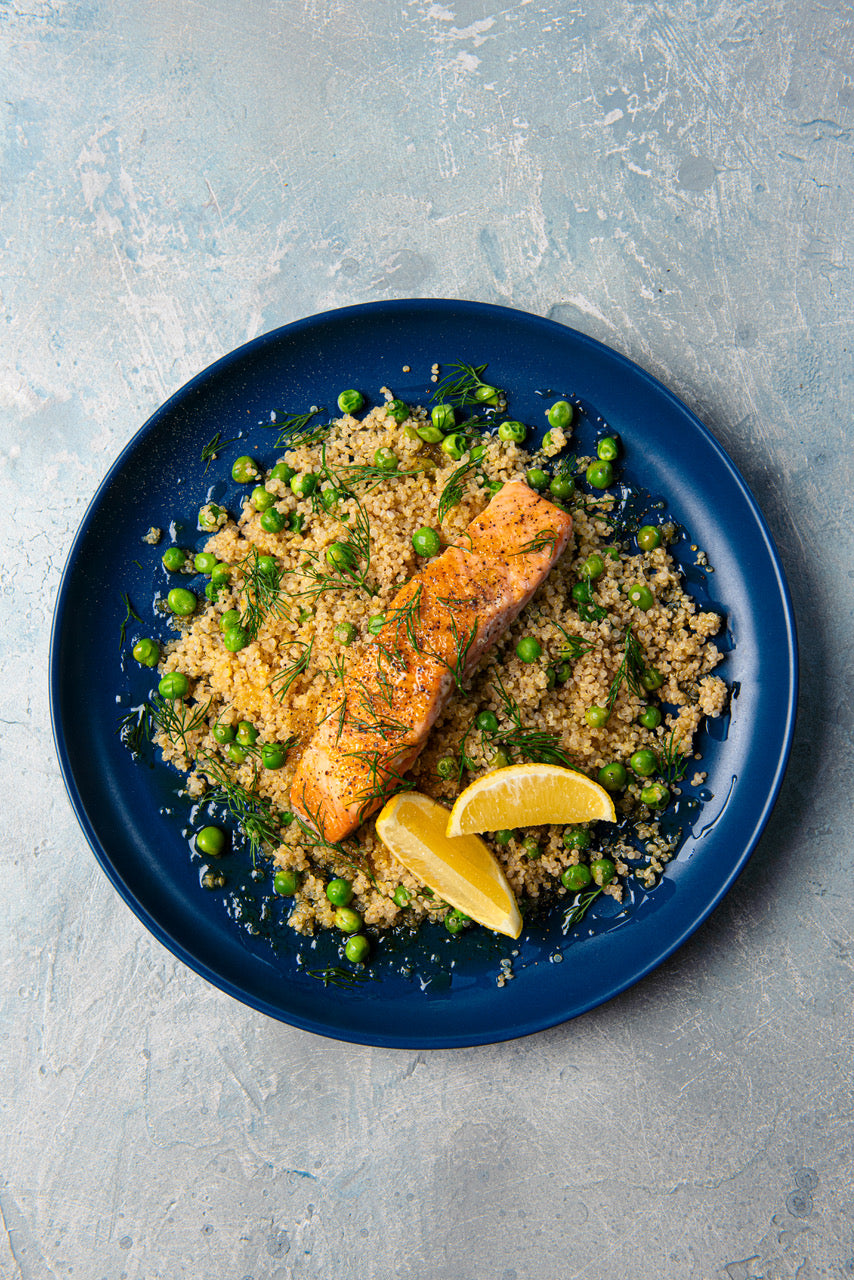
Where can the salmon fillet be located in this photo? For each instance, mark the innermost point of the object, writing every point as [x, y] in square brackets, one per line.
[438, 627]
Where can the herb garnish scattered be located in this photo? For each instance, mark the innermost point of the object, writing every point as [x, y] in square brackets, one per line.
[282, 680]
[294, 430]
[537, 745]
[262, 587]
[452, 494]
[673, 763]
[465, 386]
[256, 816]
[212, 449]
[337, 977]
[130, 612]
[579, 909]
[135, 728]
[630, 670]
[175, 719]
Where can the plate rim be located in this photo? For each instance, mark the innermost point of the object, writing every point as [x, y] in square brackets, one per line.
[185, 392]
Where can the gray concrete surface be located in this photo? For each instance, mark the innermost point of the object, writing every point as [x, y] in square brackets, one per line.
[673, 179]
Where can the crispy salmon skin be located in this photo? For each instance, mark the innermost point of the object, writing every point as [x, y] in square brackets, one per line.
[439, 626]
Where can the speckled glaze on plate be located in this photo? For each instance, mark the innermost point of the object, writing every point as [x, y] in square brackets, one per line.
[438, 991]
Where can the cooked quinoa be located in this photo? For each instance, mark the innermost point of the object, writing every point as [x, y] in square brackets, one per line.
[281, 681]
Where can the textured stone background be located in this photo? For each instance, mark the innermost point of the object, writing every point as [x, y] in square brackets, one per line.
[675, 179]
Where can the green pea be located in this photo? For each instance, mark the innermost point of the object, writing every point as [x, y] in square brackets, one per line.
[644, 762]
[600, 475]
[235, 639]
[261, 498]
[593, 567]
[576, 878]
[330, 497]
[146, 652]
[512, 432]
[577, 838]
[485, 394]
[430, 434]
[236, 753]
[652, 679]
[350, 401]
[211, 841]
[501, 759]
[181, 602]
[443, 418]
[296, 520]
[273, 520]
[209, 516]
[174, 685]
[551, 677]
[454, 445]
[385, 459]
[273, 755]
[503, 836]
[560, 414]
[376, 622]
[220, 574]
[304, 486]
[281, 471]
[648, 537]
[230, 619]
[603, 871]
[212, 592]
[537, 479]
[341, 557]
[347, 920]
[597, 717]
[456, 921]
[582, 593]
[285, 883]
[223, 733]
[357, 948]
[397, 410]
[650, 717]
[613, 777]
[446, 767]
[426, 542]
[345, 633]
[477, 452]
[562, 485]
[607, 448]
[494, 486]
[339, 892]
[247, 734]
[245, 470]
[641, 596]
[401, 896]
[529, 650]
[530, 848]
[268, 565]
[204, 562]
[563, 672]
[655, 795]
[174, 559]
[487, 721]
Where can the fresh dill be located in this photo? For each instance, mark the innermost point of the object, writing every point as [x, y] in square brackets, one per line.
[282, 680]
[579, 909]
[545, 540]
[262, 588]
[630, 670]
[135, 728]
[294, 430]
[311, 833]
[130, 612]
[352, 566]
[465, 386]
[452, 494]
[256, 816]
[175, 719]
[537, 745]
[334, 976]
[673, 762]
[574, 646]
[212, 449]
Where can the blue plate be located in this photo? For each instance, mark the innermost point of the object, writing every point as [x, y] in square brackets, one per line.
[436, 991]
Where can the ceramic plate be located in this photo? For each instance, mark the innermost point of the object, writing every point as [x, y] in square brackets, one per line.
[439, 991]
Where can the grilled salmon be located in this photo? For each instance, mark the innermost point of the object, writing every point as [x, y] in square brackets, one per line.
[438, 627]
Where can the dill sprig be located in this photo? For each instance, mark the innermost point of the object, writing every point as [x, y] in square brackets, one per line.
[465, 386]
[385, 780]
[537, 745]
[255, 815]
[334, 976]
[212, 449]
[311, 834]
[136, 727]
[673, 762]
[282, 680]
[262, 587]
[175, 719]
[574, 646]
[294, 430]
[452, 494]
[630, 670]
[130, 612]
[547, 538]
[579, 909]
[351, 574]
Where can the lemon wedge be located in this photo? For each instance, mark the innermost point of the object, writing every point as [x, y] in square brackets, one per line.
[529, 795]
[460, 869]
